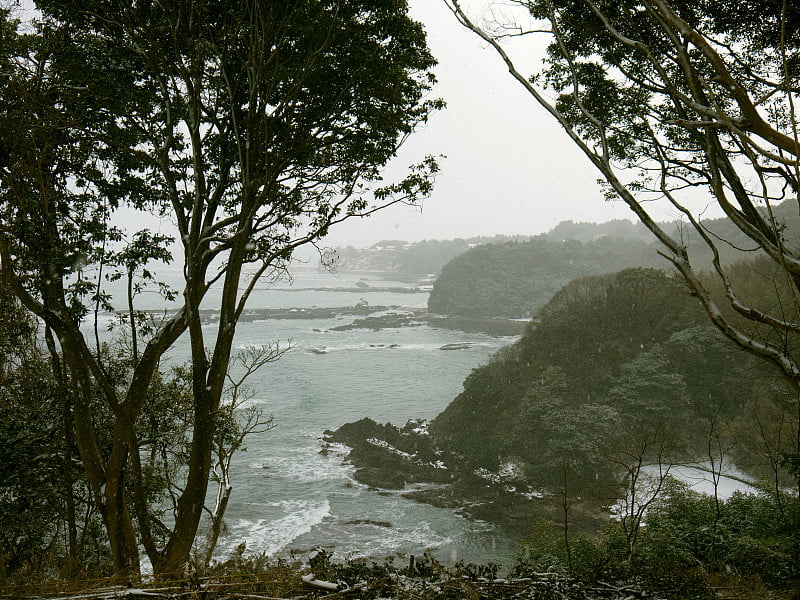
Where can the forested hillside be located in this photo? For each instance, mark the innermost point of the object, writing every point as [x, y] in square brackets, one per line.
[614, 359]
[516, 279]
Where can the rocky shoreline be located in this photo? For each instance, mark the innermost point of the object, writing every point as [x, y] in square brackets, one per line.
[407, 461]
[378, 317]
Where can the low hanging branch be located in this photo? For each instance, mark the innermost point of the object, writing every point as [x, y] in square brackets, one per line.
[663, 91]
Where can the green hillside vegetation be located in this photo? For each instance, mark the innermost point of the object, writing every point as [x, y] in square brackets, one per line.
[628, 352]
[517, 279]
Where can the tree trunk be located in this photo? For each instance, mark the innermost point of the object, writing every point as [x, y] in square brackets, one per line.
[107, 481]
[190, 504]
[117, 517]
[223, 497]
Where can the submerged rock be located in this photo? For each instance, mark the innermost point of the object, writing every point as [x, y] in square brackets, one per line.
[385, 524]
[456, 346]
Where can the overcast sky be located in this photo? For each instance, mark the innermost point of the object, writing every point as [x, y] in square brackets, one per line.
[509, 168]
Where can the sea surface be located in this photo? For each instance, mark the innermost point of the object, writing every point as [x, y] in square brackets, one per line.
[289, 497]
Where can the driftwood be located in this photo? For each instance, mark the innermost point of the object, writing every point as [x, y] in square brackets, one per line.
[318, 584]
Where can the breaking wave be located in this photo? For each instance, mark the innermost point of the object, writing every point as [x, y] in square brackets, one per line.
[307, 465]
[271, 535]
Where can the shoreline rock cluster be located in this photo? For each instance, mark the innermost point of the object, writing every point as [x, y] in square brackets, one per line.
[407, 460]
[378, 317]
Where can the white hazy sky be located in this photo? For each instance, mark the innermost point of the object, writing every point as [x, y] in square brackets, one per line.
[509, 168]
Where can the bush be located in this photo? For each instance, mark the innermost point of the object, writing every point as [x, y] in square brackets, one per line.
[547, 553]
[751, 535]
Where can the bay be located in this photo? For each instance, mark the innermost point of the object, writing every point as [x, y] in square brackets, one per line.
[289, 497]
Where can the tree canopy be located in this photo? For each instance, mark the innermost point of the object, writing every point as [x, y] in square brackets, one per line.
[251, 127]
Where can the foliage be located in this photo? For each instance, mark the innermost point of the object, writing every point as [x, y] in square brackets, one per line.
[253, 128]
[683, 107]
[516, 279]
[49, 525]
[544, 552]
[752, 536]
[425, 578]
[682, 548]
[30, 495]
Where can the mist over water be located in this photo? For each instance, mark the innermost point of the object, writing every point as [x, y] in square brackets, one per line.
[288, 496]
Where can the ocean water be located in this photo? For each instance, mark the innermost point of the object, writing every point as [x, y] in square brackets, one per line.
[288, 496]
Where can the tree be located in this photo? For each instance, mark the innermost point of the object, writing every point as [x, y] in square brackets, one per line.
[651, 439]
[562, 455]
[253, 127]
[31, 494]
[684, 105]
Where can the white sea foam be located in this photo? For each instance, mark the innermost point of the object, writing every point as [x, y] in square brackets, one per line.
[416, 540]
[250, 402]
[270, 536]
[307, 465]
[104, 321]
[699, 478]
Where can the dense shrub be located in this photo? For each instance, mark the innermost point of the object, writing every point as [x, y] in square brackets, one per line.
[751, 535]
[686, 546]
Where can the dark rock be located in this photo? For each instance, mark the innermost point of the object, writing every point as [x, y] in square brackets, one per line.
[456, 346]
[444, 497]
[390, 457]
[388, 321]
[369, 522]
[387, 479]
